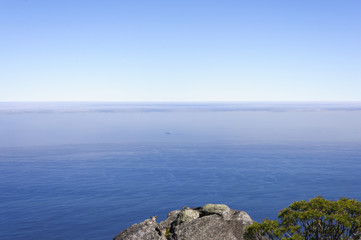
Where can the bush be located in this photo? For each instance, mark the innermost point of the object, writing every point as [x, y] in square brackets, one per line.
[317, 219]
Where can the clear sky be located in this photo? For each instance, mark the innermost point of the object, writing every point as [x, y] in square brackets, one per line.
[185, 50]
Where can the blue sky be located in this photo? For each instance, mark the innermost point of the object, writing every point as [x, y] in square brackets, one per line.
[187, 50]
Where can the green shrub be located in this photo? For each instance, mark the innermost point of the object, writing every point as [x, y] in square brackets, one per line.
[318, 219]
[167, 233]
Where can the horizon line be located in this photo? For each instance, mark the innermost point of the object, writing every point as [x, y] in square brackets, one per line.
[199, 101]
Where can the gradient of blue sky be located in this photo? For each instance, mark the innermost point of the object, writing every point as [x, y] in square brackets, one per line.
[186, 50]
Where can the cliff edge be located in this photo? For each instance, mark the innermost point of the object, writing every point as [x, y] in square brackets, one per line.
[212, 221]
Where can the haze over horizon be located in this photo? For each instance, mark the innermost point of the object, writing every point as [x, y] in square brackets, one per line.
[188, 51]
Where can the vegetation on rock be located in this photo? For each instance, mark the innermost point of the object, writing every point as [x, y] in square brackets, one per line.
[316, 219]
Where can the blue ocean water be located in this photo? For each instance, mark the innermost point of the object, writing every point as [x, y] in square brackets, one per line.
[87, 171]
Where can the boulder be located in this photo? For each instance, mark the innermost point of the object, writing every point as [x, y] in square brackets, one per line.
[172, 217]
[220, 209]
[215, 208]
[146, 230]
[187, 215]
[210, 227]
[212, 221]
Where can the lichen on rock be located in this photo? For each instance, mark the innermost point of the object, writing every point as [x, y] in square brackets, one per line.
[187, 215]
[215, 208]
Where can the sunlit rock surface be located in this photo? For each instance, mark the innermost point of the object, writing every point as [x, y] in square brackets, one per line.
[212, 221]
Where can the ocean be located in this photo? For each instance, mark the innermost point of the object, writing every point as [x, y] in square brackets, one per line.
[89, 170]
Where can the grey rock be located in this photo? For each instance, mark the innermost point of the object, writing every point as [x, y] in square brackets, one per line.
[212, 221]
[172, 217]
[241, 216]
[187, 215]
[210, 227]
[215, 208]
[166, 225]
[221, 209]
[146, 230]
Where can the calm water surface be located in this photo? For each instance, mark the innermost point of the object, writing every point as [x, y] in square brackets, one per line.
[89, 171]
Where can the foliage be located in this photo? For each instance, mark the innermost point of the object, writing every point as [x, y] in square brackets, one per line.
[167, 233]
[318, 219]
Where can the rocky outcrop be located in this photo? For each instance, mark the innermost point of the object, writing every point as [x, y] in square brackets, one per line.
[212, 221]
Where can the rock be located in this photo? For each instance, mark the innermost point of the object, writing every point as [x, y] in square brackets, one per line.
[220, 209]
[212, 221]
[146, 230]
[215, 208]
[210, 227]
[172, 217]
[165, 226]
[187, 215]
[241, 216]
